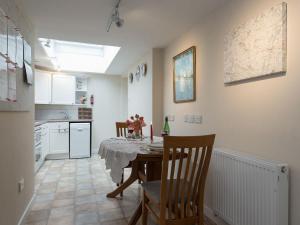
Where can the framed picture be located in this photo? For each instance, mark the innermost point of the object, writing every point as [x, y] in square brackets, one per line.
[184, 76]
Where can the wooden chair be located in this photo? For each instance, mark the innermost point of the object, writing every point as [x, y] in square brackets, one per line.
[122, 129]
[179, 197]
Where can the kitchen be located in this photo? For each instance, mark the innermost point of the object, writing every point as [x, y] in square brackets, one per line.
[69, 105]
[223, 83]
[63, 101]
[64, 132]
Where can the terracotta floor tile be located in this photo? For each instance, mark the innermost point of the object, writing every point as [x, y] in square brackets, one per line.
[86, 218]
[85, 208]
[62, 202]
[66, 220]
[62, 211]
[38, 216]
[73, 192]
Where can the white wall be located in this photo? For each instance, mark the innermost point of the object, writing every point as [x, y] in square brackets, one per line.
[140, 92]
[16, 143]
[108, 106]
[124, 98]
[145, 95]
[260, 117]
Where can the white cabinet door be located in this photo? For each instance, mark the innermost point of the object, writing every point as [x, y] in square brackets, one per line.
[59, 138]
[42, 87]
[45, 140]
[63, 89]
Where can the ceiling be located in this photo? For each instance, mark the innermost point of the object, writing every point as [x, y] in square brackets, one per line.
[148, 24]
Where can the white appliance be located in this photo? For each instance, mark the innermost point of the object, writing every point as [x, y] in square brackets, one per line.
[80, 140]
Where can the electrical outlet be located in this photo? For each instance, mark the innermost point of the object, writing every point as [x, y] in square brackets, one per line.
[198, 119]
[171, 118]
[190, 118]
[21, 185]
[186, 118]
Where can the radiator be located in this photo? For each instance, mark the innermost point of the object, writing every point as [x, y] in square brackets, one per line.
[249, 191]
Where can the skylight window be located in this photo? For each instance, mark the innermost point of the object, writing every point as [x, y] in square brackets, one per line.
[79, 57]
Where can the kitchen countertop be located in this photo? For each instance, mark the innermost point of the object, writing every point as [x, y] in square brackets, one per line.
[41, 122]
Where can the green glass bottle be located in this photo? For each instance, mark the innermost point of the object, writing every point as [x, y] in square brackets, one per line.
[166, 127]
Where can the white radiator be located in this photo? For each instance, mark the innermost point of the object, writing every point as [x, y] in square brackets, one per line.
[248, 191]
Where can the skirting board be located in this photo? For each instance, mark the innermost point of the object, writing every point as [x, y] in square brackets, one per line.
[210, 214]
[26, 211]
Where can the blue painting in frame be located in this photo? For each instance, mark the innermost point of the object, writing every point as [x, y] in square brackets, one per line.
[184, 76]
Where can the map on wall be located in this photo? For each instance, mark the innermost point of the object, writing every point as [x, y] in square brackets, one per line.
[11, 58]
[3, 80]
[258, 47]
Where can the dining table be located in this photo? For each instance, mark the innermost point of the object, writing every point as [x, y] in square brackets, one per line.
[146, 163]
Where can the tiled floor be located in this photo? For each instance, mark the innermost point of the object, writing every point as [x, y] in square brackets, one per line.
[73, 192]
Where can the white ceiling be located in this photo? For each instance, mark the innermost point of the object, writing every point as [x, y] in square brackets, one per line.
[148, 24]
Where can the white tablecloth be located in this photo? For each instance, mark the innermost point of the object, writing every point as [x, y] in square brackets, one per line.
[118, 152]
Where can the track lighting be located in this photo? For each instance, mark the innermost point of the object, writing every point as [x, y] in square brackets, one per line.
[115, 17]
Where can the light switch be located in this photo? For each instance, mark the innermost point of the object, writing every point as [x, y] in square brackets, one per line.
[198, 119]
[186, 118]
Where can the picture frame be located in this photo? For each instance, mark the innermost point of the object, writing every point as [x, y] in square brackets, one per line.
[184, 76]
[138, 73]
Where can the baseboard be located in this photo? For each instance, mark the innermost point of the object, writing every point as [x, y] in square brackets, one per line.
[57, 156]
[26, 211]
[210, 214]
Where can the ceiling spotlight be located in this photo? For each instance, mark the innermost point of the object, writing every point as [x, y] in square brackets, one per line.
[115, 17]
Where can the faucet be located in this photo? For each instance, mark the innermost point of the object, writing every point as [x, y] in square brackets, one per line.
[66, 115]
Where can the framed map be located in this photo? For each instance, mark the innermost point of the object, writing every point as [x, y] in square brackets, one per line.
[258, 47]
[184, 76]
[3, 34]
[15, 94]
[3, 80]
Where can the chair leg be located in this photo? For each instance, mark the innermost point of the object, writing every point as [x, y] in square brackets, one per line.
[201, 217]
[122, 181]
[145, 210]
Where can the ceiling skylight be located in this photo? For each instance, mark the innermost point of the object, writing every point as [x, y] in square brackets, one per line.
[79, 57]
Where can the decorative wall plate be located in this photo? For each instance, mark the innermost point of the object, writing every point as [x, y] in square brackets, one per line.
[144, 69]
[138, 73]
[130, 78]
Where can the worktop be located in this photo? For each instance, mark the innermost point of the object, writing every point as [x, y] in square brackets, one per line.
[41, 122]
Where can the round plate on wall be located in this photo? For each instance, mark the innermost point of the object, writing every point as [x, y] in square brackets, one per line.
[138, 73]
[130, 78]
[144, 69]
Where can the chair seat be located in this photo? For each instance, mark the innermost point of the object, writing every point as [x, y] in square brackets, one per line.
[152, 189]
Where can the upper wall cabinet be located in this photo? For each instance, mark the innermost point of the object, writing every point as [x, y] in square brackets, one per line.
[63, 89]
[42, 87]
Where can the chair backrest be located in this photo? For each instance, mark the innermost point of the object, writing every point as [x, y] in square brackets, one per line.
[122, 129]
[183, 178]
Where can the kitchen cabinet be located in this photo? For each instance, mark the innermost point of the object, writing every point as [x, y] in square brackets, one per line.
[42, 87]
[45, 140]
[63, 89]
[59, 138]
